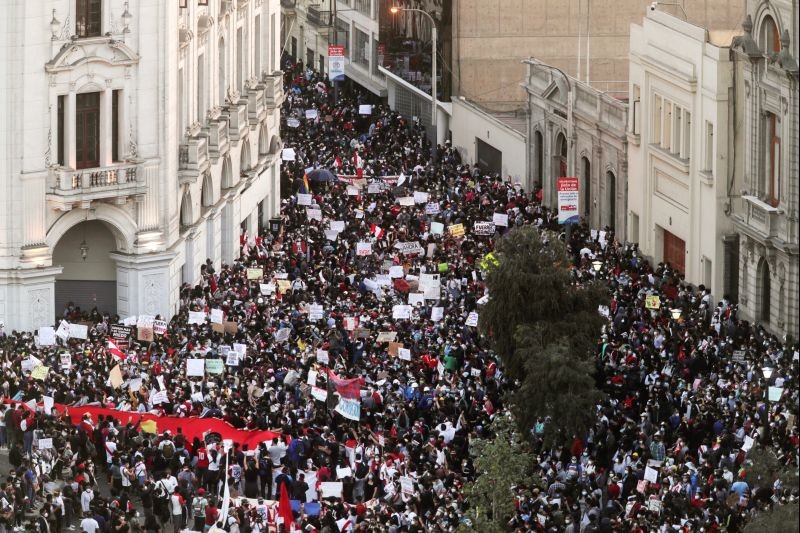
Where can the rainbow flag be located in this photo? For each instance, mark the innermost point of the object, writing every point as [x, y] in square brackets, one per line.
[305, 187]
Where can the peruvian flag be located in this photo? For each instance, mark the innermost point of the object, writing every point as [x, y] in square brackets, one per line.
[114, 350]
[375, 230]
[359, 164]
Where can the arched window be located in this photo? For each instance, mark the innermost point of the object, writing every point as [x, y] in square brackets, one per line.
[611, 180]
[763, 292]
[186, 210]
[244, 157]
[263, 141]
[539, 147]
[770, 38]
[227, 175]
[207, 198]
[586, 186]
[202, 105]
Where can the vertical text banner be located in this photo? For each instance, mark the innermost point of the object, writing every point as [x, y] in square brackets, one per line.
[336, 62]
[568, 201]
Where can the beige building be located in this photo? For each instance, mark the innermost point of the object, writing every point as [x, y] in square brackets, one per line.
[490, 38]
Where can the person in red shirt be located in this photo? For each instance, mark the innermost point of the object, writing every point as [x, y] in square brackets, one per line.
[202, 462]
[212, 513]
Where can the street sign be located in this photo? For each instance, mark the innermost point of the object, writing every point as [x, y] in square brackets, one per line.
[336, 61]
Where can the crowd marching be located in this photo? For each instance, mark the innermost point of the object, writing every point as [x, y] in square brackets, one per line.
[332, 378]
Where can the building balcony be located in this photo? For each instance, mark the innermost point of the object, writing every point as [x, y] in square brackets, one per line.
[193, 156]
[216, 131]
[256, 104]
[68, 188]
[236, 116]
[317, 17]
[273, 90]
[761, 219]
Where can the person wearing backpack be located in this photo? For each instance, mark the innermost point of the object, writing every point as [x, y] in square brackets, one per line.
[199, 503]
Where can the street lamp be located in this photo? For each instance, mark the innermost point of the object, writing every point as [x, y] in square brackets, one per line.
[676, 313]
[597, 265]
[395, 10]
[767, 371]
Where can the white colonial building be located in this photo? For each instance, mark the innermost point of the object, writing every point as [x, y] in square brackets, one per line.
[138, 139]
[679, 165]
[765, 200]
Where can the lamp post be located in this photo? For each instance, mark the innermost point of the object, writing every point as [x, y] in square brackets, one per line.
[676, 313]
[767, 371]
[597, 265]
[395, 10]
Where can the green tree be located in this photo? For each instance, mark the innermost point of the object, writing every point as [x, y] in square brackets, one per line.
[558, 384]
[532, 284]
[500, 463]
[780, 519]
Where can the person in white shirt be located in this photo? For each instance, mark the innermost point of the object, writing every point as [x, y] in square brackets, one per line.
[277, 451]
[111, 448]
[89, 524]
[169, 481]
[86, 499]
[127, 473]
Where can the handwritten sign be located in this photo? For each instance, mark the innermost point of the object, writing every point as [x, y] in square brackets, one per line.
[303, 199]
[255, 273]
[500, 219]
[45, 444]
[363, 248]
[401, 312]
[195, 367]
[159, 327]
[315, 312]
[652, 302]
[456, 230]
[348, 408]
[47, 336]
[40, 372]
[78, 331]
[215, 366]
[420, 197]
[472, 319]
[483, 228]
[432, 208]
[197, 317]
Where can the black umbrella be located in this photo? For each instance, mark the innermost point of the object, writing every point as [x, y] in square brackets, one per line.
[321, 174]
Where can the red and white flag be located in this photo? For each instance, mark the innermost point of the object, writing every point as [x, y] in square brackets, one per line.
[375, 230]
[114, 350]
[337, 162]
[359, 164]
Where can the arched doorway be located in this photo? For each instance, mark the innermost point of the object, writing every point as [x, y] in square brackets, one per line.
[763, 292]
[227, 175]
[611, 180]
[586, 186]
[207, 193]
[559, 164]
[89, 276]
[538, 143]
[244, 158]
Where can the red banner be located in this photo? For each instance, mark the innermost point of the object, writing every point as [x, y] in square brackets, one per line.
[347, 388]
[190, 426]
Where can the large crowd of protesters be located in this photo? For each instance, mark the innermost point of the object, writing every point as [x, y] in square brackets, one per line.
[686, 397]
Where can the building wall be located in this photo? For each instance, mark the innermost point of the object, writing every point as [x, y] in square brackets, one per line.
[491, 37]
[469, 123]
[182, 128]
[597, 137]
[678, 154]
[766, 216]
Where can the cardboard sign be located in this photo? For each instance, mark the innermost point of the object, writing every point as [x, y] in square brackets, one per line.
[394, 348]
[195, 367]
[652, 302]
[500, 219]
[472, 319]
[651, 474]
[78, 331]
[483, 228]
[363, 248]
[231, 327]
[215, 366]
[312, 378]
[255, 273]
[144, 334]
[159, 327]
[303, 199]
[456, 230]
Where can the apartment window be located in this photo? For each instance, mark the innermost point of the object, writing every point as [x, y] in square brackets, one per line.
[309, 57]
[361, 48]
[240, 59]
[633, 233]
[271, 38]
[677, 115]
[321, 67]
[637, 120]
[770, 37]
[201, 87]
[115, 96]
[87, 130]
[666, 138]
[87, 18]
[258, 44]
[61, 140]
[772, 148]
[709, 147]
[222, 75]
[658, 103]
[686, 138]
[343, 35]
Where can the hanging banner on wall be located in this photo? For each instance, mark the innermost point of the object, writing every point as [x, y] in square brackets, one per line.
[568, 201]
[336, 61]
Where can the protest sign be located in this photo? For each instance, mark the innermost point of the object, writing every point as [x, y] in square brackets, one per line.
[315, 312]
[738, 356]
[409, 248]
[420, 197]
[314, 214]
[364, 109]
[472, 319]
[231, 327]
[63, 330]
[348, 408]
[47, 336]
[292, 122]
[319, 394]
[255, 273]
[120, 332]
[406, 201]
[483, 228]
[40, 372]
[406, 485]
[437, 228]
[282, 335]
[330, 489]
[47, 404]
[364, 248]
[500, 219]
[350, 323]
[437, 314]
[774, 393]
[387, 336]
[322, 357]
[432, 208]
[331, 235]
[401, 312]
[159, 327]
[195, 367]
[115, 377]
[303, 199]
[65, 360]
[311, 114]
[287, 154]
[45, 444]
[336, 225]
[394, 348]
[312, 378]
[217, 316]
[197, 317]
[456, 230]
[415, 298]
[78, 331]
[652, 302]
[404, 354]
[651, 474]
[215, 366]
[396, 271]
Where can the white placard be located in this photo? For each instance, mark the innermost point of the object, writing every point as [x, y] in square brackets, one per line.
[47, 336]
[396, 271]
[197, 317]
[406, 485]
[292, 122]
[240, 349]
[303, 199]
[651, 474]
[437, 313]
[312, 378]
[331, 235]
[404, 354]
[48, 402]
[406, 201]
[472, 319]
[437, 228]
[66, 360]
[352, 191]
[130, 321]
[432, 208]
[311, 114]
[159, 397]
[500, 219]
[322, 357]
[319, 394]
[78, 331]
[330, 489]
[420, 197]
[45, 444]
[282, 335]
[748, 443]
[135, 384]
[343, 472]
[217, 316]
[232, 359]
[337, 225]
[364, 109]
[401, 312]
[195, 367]
[63, 330]
[364, 248]
[287, 154]
[415, 298]
[315, 312]
[314, 214]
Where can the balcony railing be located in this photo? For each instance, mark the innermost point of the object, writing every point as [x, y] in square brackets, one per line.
[273, 90]
[193, 154]
[217, 137]
[762, 217]
[317, 17]
[237, 121]
[256, 104]
[118, 181]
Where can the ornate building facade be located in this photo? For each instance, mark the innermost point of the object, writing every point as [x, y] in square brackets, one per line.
[138, 140]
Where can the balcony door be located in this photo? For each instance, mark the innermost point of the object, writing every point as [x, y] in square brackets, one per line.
[87, 130]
